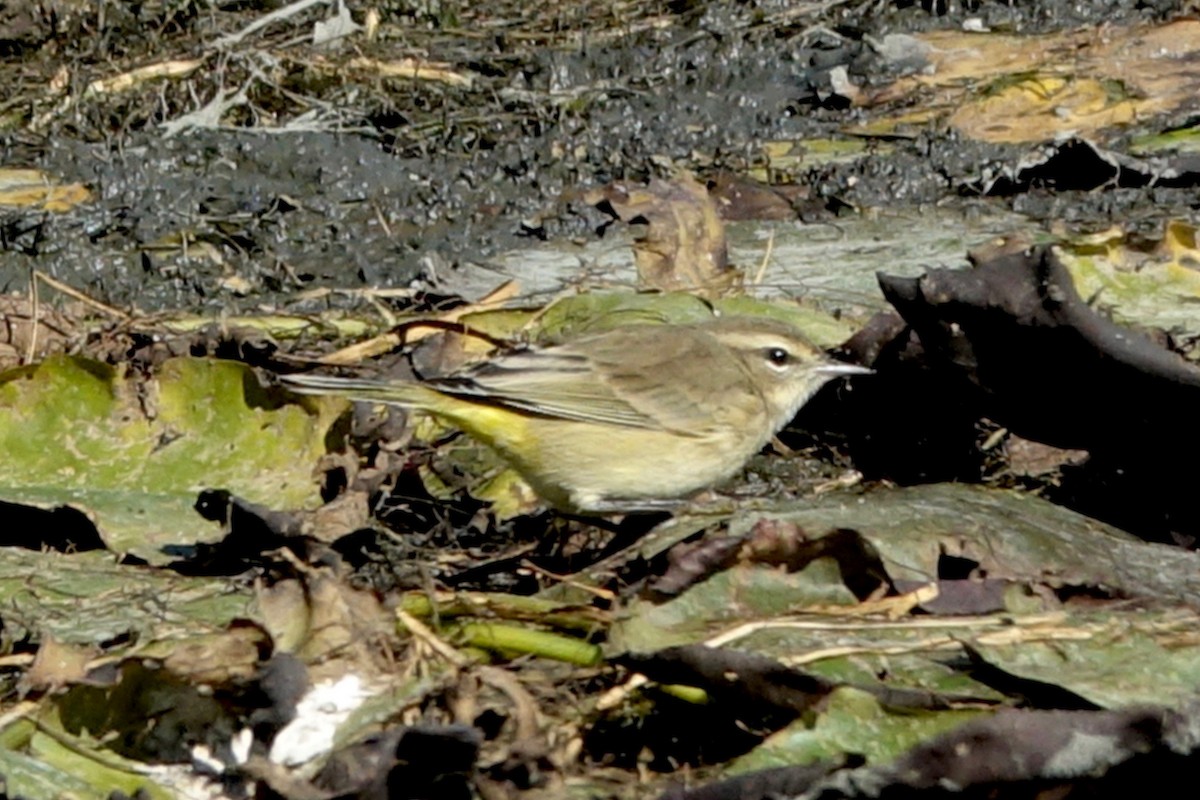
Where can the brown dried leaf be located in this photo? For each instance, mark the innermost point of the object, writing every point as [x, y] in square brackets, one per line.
[684, 247]
[344, 514]
[53, 331]
[741, 198]
[325, 622]
[285, 612]
[56, 665]
[219, 658]
[1033, 459]
[31, 187]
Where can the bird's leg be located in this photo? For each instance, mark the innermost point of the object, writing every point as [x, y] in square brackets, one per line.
[630, 506]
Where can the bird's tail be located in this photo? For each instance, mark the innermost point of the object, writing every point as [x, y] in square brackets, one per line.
[404, 393]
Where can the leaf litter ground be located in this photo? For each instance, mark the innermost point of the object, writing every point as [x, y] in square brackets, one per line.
[824, 624]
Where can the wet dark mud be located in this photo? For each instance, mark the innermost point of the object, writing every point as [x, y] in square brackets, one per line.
[328, 177]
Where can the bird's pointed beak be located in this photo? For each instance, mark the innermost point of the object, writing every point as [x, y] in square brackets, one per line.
[835, 368]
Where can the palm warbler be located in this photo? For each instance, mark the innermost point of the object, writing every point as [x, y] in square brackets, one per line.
[627, 418]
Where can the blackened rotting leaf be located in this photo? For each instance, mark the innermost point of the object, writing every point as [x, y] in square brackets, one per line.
[1013, 341]
[693, 562]
[281, 683]
[1017, 746]
[252, 530]
[914, 421]
[1049, 366]
[432, 763]
[760, 785]
[782, 543]
[883, 330]
[424, 762]
[1028, 754]
[62, 528]
[748, 679]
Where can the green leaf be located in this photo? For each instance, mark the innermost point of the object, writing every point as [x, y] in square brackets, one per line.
[134, 454]
[852, 722]
[87, 598]
[1111, 658]
[735, 596]
[50, 764]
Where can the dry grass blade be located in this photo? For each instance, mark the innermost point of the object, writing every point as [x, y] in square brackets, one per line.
[387, 342]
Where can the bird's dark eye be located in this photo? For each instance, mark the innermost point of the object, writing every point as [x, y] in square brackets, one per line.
[778, 356]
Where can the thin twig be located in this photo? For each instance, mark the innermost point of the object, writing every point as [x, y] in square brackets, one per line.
[766, 259]
[81, 297]
[27, 709]
[421, 631]
[413, 331]
[34, 306]
[264, 21]
[603, 594]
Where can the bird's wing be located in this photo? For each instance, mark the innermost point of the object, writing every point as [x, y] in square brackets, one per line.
[555, 382]
[632, 377]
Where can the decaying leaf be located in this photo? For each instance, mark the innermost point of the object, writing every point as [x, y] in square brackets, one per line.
[57, 664]
[219, 658]
[1022, 88]
[1152, 283]
[48, 330]
[135, 454]
[1020, 551]
[31, 187]
[684, 247]
[327, 623]
[739, 198]
[1049, 367]
[344, 514]
[1049, 752]
[1033, 459]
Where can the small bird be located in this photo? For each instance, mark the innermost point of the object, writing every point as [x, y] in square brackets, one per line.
[628, 418]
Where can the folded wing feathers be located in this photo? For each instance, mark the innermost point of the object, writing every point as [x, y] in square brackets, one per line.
[553, 383]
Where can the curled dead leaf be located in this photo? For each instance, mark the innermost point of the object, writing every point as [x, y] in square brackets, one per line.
[684, 247]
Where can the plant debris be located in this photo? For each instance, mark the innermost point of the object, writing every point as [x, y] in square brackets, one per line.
[972, 573]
